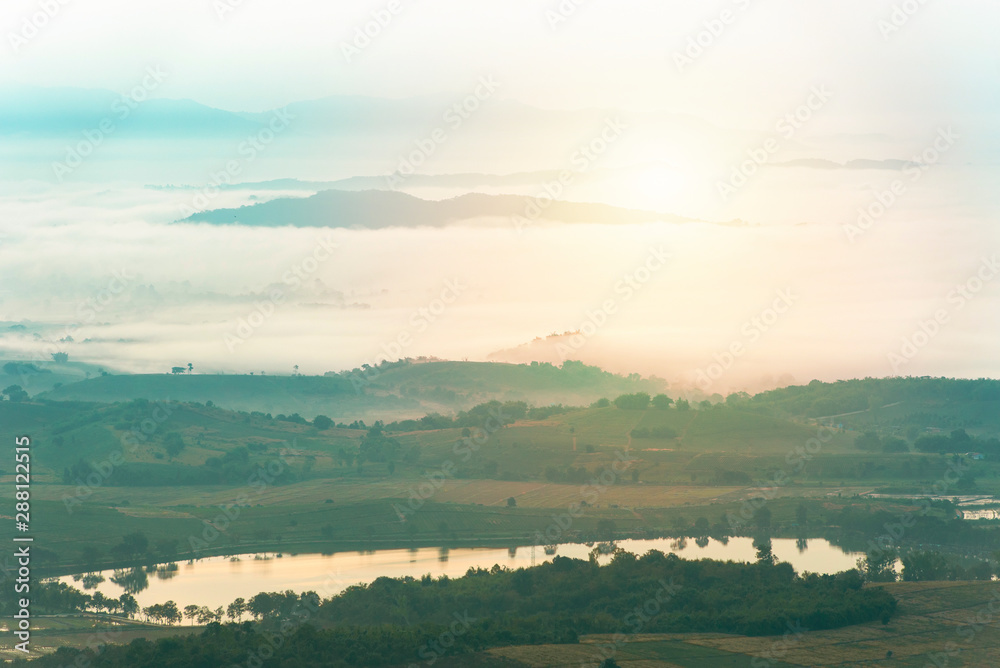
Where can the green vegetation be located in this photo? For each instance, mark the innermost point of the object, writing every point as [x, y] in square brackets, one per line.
[136, 483]
[391, 390]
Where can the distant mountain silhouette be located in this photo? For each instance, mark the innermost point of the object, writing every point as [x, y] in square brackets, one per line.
[374, 209]
[860, 163]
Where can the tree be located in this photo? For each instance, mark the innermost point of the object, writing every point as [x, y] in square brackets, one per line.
[765, 554]
[89, 556]
[683, 405]
[376, 446]
[170, 613]
[662, 402]
[638, 401]
[236, 609]
[511, 502]
[205, 615]
[173, 443]
[191, 611]
[737, 398]
[868, 441]
[924, 566]
[190, 367]
[878, 565]
[132, 545]
[128, 604]
[15, 393]
[60, 358]
[322, 422]
[176, 370]
[167, 548]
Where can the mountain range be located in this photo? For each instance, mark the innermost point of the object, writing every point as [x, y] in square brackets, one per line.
[375, 209]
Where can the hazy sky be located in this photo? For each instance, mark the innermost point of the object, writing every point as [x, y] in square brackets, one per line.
[253, 55]
[883, 84]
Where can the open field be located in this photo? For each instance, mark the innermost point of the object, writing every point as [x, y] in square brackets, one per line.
[471, 492]
[86, 630]
[941, 624]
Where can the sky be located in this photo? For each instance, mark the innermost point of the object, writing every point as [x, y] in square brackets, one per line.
[252, 55]
[715, 83]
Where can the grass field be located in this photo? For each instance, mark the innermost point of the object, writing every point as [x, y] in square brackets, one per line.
[939, 624]
[82, 631]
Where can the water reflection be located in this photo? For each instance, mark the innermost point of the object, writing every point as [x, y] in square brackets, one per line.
[132, 581]
[166, 572]
[219, 581]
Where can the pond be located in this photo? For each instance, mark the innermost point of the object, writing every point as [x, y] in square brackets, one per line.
[217, 581]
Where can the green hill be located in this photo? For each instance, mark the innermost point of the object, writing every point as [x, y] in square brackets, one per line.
[902, 406]
[391, 391]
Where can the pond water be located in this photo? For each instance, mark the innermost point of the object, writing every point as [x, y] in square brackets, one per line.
[217, 581]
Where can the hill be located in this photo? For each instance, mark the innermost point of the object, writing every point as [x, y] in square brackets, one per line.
[899, 406]
[375, 209]
[390, 391]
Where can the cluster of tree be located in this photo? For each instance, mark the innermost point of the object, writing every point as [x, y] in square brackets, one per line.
[640, 401]
[60, 598]
[957, 442]
[14, 393]
[376, 446]
[162, 613]
[633, 402]
[934, 524]
[294, 418]
[880, 565]
[705, 596]
[480, 416]
[818, 399]
[23, 369]
[303, 645]
[727, 477]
